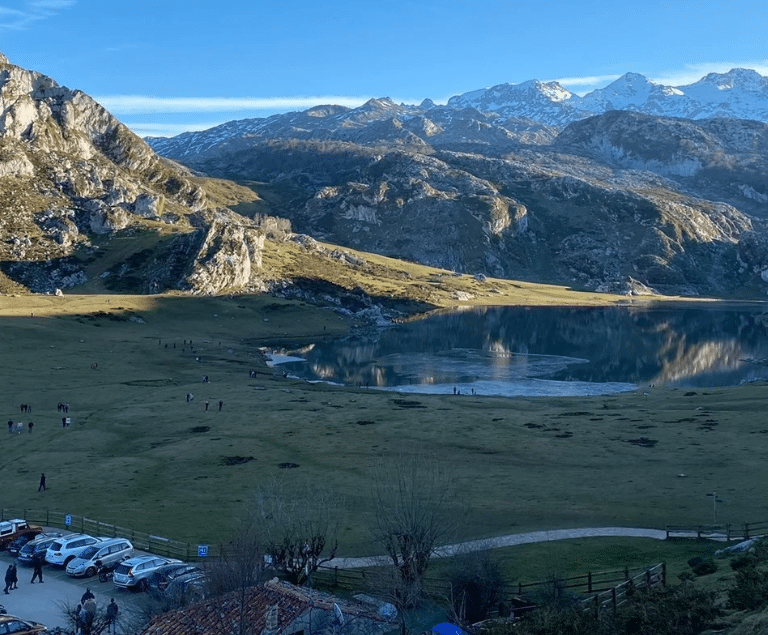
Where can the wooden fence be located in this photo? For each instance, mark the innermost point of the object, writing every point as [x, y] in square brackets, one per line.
[597, 590]
[616, 595]
[726, 532]
[141, 540]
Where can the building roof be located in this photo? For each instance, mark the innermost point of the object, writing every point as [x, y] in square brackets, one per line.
[221, 615]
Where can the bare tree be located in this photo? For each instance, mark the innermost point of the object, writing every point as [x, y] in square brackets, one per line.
[415, 512]
[476, 585]
[300, 527]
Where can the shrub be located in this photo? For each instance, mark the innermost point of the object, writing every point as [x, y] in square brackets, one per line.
[705, 567]
[743, 560]
[750, 590]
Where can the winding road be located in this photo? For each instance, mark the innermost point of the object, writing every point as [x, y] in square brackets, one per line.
[522, 539]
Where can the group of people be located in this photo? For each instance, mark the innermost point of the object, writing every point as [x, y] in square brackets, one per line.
[85, 614]
[18, 426]
[11, 579]
[12, 575]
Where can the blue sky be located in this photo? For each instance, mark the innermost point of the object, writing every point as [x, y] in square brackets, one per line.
[169, 66]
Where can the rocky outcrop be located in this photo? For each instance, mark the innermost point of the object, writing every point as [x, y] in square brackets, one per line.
[229, 259]
[70, 171]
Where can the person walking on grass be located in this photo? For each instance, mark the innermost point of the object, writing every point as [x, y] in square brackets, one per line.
[41, 487]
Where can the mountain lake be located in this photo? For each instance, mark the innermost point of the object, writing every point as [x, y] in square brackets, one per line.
[542, 351]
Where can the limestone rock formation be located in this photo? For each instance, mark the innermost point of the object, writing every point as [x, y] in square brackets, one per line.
[71, 172]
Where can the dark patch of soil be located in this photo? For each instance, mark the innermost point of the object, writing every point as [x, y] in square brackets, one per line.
[287, 465]
[236, 460]
[199, 429]
[690, 393]
[575, 414]
[406, 403]
[533, 425]
[365, 422]
[149, 383]
[564, 435]
[643, 442]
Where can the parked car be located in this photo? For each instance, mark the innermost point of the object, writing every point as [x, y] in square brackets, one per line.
[16, 545]
[101, 554]
[161, 577]
[12, 529]
[134, 572]
[64, 549]
[187, 588]
[37, 547]
[17, 626]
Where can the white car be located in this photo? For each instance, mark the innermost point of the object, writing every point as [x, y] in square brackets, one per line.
[68, 547]
[134, 572]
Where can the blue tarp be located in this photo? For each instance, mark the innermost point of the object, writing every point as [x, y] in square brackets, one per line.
[444, 628]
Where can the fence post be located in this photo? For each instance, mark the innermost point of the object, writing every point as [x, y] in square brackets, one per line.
[746, 531]
[728, 532]
[664, 574]
[48, 517]
[648, 578]
[698, 532]
[626, 573]
[589, 582]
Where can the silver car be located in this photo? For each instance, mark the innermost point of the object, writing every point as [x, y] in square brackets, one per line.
[134, 572]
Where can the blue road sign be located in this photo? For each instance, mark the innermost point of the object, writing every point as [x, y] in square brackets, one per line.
[202, 551]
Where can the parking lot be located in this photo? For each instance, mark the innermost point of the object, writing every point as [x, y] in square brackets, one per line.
[47, 602]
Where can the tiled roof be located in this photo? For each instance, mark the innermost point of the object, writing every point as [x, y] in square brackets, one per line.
[221, 615]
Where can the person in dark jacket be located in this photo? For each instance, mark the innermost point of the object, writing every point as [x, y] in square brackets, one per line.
[37, 563]
[111, 615]
[14, 577]
[8, 579]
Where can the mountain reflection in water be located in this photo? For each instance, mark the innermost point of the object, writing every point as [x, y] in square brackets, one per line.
[548, 351]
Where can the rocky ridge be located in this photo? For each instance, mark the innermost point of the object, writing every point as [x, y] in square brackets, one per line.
[621, 202]
[72, 177]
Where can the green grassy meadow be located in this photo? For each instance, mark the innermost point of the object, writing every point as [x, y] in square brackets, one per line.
[139, 455]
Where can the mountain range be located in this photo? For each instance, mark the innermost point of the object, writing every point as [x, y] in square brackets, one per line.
[526, 181]
[520, 182]
[530, 112]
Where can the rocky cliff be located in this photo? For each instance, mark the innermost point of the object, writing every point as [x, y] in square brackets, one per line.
[72, 176]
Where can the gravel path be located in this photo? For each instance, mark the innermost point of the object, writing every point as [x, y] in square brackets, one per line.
[510, 540]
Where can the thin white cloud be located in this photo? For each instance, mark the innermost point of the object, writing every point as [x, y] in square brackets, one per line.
[145, 104]
[588, 80]
[169, 129]
[31, 12]
[691, 73]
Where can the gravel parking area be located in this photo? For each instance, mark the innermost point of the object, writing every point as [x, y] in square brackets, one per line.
[46, 602]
